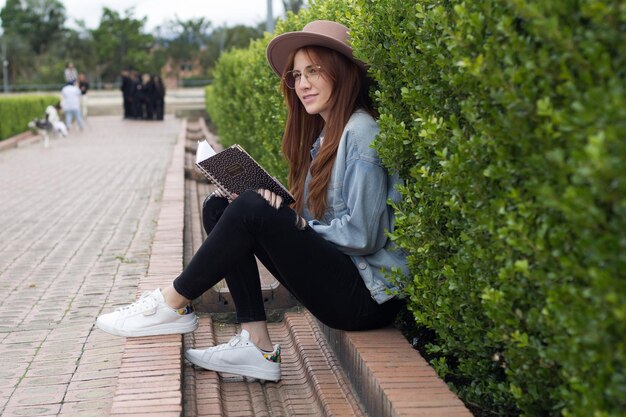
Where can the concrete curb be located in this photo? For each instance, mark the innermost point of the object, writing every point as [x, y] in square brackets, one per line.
[14, 141]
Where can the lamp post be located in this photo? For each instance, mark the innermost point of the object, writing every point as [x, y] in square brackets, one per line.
[269, 23]
[5, 65]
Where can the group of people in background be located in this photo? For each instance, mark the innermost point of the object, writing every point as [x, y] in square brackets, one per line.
[144, 95]
[143, 99]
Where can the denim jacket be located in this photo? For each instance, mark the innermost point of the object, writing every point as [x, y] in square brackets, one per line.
[357, 215]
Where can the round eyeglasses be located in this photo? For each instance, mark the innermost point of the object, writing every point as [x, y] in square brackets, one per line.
[293, 77]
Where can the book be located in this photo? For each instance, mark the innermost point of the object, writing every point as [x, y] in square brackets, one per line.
[234, 171]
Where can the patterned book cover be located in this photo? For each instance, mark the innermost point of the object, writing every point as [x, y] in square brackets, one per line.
[235, 171]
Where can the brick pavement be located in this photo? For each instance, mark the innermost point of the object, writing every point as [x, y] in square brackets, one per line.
[76, 226]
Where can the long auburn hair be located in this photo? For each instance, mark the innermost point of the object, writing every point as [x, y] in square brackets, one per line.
[350, 91]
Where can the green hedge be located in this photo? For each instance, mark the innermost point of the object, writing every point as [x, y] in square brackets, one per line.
[507, 120]
[244, 97]
[17, 111]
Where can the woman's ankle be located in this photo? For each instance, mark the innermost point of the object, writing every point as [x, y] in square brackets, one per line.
[173, 298]
[259, 335]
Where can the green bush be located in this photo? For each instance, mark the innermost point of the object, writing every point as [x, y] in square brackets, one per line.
[17, 111]
[507, 120]
[244, 104]
[208, 97]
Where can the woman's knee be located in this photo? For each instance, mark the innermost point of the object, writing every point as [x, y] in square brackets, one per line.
[251, 211]
[214, 207]
[212, 210]
[249, 201]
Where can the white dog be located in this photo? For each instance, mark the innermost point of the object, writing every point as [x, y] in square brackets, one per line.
[50, 126]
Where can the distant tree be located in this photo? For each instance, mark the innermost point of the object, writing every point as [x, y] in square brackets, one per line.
[39, 22]
[239, 36]
[20, 57]
[78, 47]
[39, 45]
[158, 59]
[192, 42]
[225, 38]
[188, 40]
[293, 5]
[120, 41]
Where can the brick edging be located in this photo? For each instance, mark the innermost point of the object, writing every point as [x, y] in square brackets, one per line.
[150, 377]
[390, 377]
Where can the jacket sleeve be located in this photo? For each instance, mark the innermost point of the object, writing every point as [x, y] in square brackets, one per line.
[362, 229]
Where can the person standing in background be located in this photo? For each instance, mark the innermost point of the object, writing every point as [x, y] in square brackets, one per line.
[83, 86]
[147, 86]
[71, 105]
[158, 97]
[126, 87]
[135, 95]
[70, 73]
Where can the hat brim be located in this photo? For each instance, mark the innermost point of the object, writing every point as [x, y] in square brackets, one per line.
[279, 48]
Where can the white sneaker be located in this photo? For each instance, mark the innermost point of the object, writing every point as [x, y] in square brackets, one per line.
[148, 316]
[239, 356]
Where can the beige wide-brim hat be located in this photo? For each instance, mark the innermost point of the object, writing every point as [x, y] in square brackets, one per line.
[324, 33]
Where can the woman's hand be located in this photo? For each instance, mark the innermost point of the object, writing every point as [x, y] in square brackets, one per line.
[272, 198]
[276, 201]
[220, 193]
[300, 222]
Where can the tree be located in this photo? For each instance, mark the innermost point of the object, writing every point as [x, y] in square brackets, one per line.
[293, 5]
[191, 43]
[225, 38]
[40, 22]
[39, 45]
[20, 57]
[77, 46]
[188, 40]
[120, 42]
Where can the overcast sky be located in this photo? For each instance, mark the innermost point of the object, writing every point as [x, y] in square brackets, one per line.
[219, 12]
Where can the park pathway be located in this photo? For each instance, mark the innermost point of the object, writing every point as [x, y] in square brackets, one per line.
[77, 221]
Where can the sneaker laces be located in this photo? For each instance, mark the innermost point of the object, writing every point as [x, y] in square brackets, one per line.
[234, 341]
[145, 303]
[272, 356]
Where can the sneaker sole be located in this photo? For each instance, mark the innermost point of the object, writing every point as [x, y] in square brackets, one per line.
[251, 372]
[153, 331]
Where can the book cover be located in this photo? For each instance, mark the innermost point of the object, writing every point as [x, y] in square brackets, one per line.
[235, 171]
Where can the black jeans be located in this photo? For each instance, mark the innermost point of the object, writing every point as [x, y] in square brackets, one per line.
[322, 278]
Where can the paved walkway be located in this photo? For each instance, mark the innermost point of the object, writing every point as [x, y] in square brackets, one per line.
[76, 227]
